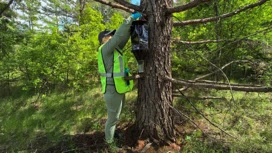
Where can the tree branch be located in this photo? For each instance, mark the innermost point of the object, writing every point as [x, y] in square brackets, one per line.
[197, 42]
[6, 7]
[134, 77]
[186, 6]
[211, 19]
[200, 98]
[129, 5]
[222, 86]
[115, 5]
[212, 123]
[177, 40]
[236, 61]
[220, 69]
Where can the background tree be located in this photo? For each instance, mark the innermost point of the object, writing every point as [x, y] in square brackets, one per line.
[9, 37]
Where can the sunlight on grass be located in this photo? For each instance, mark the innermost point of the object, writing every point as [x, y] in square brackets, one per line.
[247, 117]
[51, 116]
[42, 121]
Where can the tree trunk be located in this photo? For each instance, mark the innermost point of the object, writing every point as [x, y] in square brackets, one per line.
[153, 106]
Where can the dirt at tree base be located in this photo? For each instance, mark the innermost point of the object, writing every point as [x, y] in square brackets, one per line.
[93, 142]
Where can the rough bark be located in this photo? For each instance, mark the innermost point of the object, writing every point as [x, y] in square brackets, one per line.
[153, 115]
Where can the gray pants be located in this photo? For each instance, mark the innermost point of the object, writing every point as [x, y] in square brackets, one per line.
[114, 102]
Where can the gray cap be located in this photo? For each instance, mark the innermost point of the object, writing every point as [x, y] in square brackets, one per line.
[105, 33]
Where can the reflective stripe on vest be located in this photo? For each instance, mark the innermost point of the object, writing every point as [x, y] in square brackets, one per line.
[110, 75]
[121, 67]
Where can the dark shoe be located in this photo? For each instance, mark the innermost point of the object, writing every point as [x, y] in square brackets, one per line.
[113, 148]
[118, 135]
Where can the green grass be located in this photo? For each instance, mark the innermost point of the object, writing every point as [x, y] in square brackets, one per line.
[30, 124]
[248, 117]
[26, 121]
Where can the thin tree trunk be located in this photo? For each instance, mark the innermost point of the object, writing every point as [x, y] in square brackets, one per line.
[5, 7]
[153, 113]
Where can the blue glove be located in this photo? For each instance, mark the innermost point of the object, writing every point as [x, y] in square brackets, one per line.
[126, 74]
[136, 15]
[127, 70]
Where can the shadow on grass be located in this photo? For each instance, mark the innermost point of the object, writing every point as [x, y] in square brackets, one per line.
[80, 143]
[87, 143]
[34, 124]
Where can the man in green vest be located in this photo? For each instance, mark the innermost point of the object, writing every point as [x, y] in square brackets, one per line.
[112, 68]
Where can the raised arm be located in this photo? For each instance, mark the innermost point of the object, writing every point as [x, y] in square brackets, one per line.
[121, 36]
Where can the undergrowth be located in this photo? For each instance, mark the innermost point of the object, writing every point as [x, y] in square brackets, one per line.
[236, 122]
[47, 119]
[40, 122]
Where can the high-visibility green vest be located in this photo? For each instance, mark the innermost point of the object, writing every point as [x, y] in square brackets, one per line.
[118, 74]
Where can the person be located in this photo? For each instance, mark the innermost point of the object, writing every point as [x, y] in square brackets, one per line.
[112, 68]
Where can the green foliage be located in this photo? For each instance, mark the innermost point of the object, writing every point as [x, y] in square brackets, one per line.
[42, 59]
[8, 37]
[86, 40]
[242, 39]
[58, 57]
[115, 21]
[64, 58]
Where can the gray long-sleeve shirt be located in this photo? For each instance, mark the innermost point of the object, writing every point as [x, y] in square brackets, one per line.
[119, 40]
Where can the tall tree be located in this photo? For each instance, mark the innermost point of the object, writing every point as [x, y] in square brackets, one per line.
[57, 13]
[4, 7]
[154, 103]
[9, 37]
[28, 12]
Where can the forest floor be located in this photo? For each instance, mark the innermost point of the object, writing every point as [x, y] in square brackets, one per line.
[70, 123]
[93, 142]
